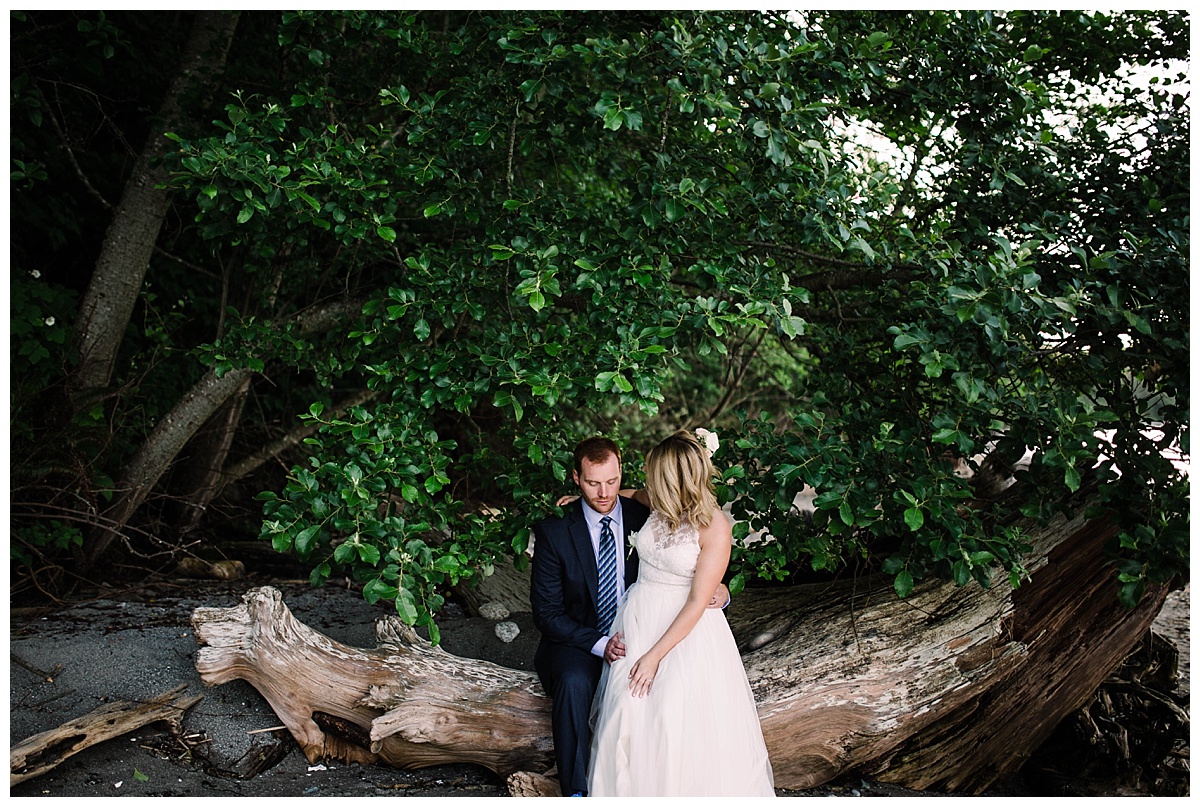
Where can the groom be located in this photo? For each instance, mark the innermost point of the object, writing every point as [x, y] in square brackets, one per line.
[581, 568]
[564, 594]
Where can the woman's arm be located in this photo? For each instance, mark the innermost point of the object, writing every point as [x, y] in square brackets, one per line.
[715, 542]
[637, 494]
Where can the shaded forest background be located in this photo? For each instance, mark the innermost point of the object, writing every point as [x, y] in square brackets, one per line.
[357, 282]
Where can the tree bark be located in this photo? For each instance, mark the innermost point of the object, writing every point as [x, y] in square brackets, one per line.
[125, 255]
[209, 458]
[951, 688]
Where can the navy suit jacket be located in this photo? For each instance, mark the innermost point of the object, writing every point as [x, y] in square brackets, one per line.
[562, 589]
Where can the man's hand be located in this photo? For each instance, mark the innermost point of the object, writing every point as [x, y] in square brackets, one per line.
[615, 649]
[720, 597]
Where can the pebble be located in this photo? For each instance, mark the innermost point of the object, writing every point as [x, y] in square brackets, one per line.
[493, 610]
[507, 631]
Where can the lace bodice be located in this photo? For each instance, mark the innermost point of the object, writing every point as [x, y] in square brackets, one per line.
[665, 556]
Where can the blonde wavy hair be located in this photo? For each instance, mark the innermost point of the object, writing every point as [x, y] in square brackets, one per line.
[679, 481]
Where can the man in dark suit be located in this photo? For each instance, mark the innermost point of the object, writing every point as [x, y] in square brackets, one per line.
[565, 596]
[574, 599]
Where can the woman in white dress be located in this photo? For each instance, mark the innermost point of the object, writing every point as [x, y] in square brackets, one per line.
[675, 716]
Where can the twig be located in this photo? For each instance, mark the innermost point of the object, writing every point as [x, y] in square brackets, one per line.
[52, 698]
[512, 136]
[62, 136]
[264, 731]
[20, 662]
[662, 143]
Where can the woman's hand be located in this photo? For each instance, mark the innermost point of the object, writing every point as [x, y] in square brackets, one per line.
[563, 501]
[641, 677]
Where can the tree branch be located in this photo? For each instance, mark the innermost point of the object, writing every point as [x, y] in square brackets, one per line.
[178, 426]
[246, 465]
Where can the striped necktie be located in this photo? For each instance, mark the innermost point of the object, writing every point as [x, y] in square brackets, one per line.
[606, 601]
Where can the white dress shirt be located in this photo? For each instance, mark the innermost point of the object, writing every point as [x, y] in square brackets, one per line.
[593, 523]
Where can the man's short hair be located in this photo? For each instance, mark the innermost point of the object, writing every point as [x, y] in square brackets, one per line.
[595, 450]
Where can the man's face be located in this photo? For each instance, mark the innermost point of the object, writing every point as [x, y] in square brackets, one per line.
[599, 482]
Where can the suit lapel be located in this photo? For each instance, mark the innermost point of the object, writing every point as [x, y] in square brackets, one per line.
[581, 540]
[630, 556]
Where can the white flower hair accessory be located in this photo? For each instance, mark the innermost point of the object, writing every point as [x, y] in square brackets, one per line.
[710, 441]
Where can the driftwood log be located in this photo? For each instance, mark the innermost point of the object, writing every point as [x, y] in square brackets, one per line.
[951, 688]
[42, 752]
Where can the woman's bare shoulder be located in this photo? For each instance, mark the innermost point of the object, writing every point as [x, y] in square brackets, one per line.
[720, 528]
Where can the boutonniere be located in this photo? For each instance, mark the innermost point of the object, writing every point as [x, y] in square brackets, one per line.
[631, 539]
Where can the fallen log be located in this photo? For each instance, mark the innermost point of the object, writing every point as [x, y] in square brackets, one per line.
[42, 752]
[331, 695]
[951, 688]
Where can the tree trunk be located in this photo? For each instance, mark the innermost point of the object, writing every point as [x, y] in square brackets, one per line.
[950, 688]
[209, 457]
[125, 255]
[155, 455]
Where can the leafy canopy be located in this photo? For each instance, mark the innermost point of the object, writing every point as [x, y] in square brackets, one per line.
[923, 239]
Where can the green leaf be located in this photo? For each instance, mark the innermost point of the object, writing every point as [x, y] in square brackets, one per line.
[520, 541]
[903, 584]
[914, 517]
[345, 552]
[368, 554]
[386, 233]
[1072, 479]
[406, 606]
[138, 776]
[305, 539]
[674, 209]
[376, 590]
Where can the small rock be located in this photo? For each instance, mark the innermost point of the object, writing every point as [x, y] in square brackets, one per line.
[493, 611]
[761, 639]
[507, 631]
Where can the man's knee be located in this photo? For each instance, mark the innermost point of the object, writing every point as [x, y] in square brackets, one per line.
[574, 683]
[569, 675]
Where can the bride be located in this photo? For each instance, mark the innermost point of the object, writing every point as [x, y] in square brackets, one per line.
[681, 682]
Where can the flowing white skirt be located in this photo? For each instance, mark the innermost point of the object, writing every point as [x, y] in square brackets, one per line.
[697, 733]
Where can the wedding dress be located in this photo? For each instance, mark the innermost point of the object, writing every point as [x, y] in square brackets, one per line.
[697, 732]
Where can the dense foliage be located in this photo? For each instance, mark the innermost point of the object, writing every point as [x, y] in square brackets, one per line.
[886, 255]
